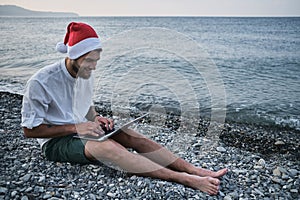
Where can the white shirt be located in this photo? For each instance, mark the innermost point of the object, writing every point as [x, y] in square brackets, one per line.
[53, 96]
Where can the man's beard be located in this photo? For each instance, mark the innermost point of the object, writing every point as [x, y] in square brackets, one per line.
[75, 67]
[79, 71]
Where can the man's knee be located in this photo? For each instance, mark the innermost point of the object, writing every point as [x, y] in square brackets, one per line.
[130, 138]
[107, 150]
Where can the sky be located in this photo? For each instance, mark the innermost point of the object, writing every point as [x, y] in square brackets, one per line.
[164, 7]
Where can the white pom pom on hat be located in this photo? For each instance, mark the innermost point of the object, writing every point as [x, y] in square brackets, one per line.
[80, 39]
[61, 47]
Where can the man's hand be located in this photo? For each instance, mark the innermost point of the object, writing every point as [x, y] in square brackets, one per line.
[89, 128]
[107, 123]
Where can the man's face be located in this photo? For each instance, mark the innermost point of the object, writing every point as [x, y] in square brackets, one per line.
[87, 63]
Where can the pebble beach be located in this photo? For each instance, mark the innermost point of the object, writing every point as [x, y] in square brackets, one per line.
[263, 163]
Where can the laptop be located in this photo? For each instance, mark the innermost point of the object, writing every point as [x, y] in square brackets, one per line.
[108, 135]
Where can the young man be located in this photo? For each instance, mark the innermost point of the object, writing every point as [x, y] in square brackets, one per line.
[57, 103]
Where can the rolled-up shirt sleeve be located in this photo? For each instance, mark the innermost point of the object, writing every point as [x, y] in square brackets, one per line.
[35, 105]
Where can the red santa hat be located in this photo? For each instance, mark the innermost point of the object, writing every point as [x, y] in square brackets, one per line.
[80, 39]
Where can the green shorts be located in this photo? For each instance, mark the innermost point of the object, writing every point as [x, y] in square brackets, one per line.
[66, 149]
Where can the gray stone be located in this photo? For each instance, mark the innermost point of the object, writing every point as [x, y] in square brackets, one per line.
[196, 197]
[29, 189]
[258, 167]
[234, 195]
[55, 198]
[3, 190]
[261, 162]
[253, 177]
[279, 142]
[227, 197]
[282, 170]
[293, 172]
[42, 179]
[39, 189]
[13, 193]
[221, 149]
[139, 183]
[259, 192]
[294, 190]
[287, 187]
[276, 172]
[92, 197]
[76, 195]
[111, 194]
[276, 180]
[221, 194]
[47, 196]
[239, 171]
[24, 198]
[26, 177]
[284, 177]
[25, 166]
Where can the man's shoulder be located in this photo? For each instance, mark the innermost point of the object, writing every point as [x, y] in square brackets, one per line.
[48, 71]
[52, 68]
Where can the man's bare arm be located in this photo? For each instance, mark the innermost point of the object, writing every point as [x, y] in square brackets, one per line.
[92, 114]
[49, 131]
[52, 131]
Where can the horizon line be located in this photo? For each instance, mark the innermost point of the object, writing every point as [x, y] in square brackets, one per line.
[224, 16]
[188, 15]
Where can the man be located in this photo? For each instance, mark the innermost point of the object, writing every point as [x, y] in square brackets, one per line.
[57, 104]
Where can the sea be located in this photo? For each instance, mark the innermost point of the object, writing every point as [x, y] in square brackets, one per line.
[240, 69]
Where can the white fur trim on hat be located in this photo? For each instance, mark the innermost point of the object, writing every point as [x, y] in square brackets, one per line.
[61, 47]
[83, 47]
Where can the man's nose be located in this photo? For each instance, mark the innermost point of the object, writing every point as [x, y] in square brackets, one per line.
[93, 65]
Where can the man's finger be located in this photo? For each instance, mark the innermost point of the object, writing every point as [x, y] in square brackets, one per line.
[100, 130]
[108, 123]
[111, 124]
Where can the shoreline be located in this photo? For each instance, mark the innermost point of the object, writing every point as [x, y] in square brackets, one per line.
[258, 168]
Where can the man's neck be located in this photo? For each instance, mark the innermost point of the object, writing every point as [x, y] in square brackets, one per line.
[72, 69]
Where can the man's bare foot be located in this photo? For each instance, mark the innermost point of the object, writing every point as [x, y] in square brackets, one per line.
[205, 184]
[205, 172]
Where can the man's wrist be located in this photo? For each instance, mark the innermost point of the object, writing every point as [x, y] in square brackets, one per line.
[71, 128]
[97, 115]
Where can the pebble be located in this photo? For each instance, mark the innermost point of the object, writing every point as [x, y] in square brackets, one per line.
[227, 197]
[13, 193]
[42, 179]
[259, 192]
[76, 195]
[29, 189]
[221, 149]
[26, 177]
[24, 198]
[276, 180]
[293, 172]
[285, 177]
[279, 142]
[294, 190]
[110, 194]
[92, 197]
[239, 171]
[276, 172]
[261, 162]
[3, 190]
[282, 170]
[47, 196]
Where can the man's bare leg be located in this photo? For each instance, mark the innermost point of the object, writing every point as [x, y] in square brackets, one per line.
[161, 155]
[142, 166]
